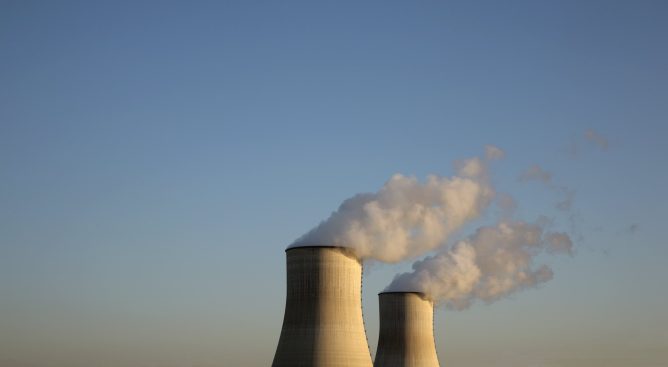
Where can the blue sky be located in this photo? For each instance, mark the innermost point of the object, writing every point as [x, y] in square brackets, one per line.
[156, 158]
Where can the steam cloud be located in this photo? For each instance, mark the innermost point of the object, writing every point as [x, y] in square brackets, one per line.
[492, 263]
[406, 217]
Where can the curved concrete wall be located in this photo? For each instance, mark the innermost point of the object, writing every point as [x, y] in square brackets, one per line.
[323, 324]
[406, 336]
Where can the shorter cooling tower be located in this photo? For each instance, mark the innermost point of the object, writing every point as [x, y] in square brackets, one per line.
[323, 324]
[406, 336]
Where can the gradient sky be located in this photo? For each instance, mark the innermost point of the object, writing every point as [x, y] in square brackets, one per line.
[156, 158]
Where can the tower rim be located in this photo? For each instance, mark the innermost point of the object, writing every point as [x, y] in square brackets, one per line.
[421, 294]
[317, 246]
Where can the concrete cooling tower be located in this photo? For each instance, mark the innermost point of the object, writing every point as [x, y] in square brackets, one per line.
[323, 324]
[406, 336]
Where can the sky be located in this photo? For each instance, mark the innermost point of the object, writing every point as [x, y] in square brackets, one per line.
[156, 159]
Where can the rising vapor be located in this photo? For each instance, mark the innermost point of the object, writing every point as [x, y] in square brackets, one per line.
[492, 263]
[406, 217]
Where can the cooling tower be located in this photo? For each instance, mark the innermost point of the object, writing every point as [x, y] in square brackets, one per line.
[406, 336]
[323, 324]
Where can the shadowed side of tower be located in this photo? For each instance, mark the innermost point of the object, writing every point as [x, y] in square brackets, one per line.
[323, 324]
[406, 337]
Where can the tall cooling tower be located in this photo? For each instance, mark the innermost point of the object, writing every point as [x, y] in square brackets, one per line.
[323, 324]
[406, 336]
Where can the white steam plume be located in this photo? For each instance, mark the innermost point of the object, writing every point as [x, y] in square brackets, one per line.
[406, 217]
[492, 263]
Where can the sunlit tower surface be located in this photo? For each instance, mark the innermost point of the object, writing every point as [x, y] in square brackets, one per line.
[323, 324]
[406, 337]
